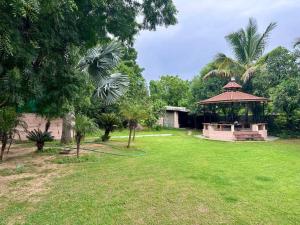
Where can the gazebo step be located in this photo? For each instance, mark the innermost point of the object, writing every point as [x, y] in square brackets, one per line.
[248, 135]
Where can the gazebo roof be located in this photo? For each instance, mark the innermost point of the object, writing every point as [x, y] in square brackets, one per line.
[232, 85]
[232, 95]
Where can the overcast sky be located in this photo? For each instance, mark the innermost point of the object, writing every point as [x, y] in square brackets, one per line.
[185, 48]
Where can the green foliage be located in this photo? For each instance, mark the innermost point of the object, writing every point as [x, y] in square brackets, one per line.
[170, 89]
[286, 97]
[20, 168]
[99, 63]
[133, 111]
[109, 122]
[8, 120]
[84, 125]
[41, 40]
[248, 46]
[39, 137]
[280, 65]
[156, 109]
[137, 83]
[82, 159]
[201, 89]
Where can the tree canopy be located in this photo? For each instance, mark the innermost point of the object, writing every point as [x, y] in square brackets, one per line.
[172, 90]
[38, 37]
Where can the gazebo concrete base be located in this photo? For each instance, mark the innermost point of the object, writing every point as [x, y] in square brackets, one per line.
[232, 132]
[269, 138]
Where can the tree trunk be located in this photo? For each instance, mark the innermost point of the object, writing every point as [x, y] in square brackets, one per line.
[133, 137]
[289, 121]
[4, 142]
[66, 135]
[10, 142]
[105, 137]
[40, 146]
[78, 140]
[77, 147]
[47, 126]
[129, 138]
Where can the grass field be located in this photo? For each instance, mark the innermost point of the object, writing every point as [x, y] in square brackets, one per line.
[179, 179]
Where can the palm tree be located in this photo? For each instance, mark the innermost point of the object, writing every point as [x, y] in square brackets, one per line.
[248, 46]
[98, 63]
[83, 125]
[133, 111]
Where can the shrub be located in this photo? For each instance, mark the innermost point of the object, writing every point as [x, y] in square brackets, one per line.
[109, 122]
[39, 137]
[83, 125]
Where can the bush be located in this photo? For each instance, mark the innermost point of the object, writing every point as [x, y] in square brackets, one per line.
[109, 122]
[39, 137]
[105, 137]
[157, 127]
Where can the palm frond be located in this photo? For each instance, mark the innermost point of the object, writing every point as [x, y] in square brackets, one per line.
[251, 40]
[248, 44]
[262, 41]
[237, 42]
[297, 43]
[99, 60]
[111, 88]
[218, 73]
[224, 62]
[226, 67]
[249, 73]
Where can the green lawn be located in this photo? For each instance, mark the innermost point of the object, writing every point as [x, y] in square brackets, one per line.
[180, 179]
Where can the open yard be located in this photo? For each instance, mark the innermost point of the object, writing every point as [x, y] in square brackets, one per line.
[179, 179]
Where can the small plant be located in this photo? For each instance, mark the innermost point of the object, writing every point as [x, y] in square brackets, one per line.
[9, 120]
[39, 137]
[20, 168]
[109, 122]
[83, 125]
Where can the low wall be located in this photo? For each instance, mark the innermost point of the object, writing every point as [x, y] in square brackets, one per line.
[218, 135]
[34, 121]
[227, 131]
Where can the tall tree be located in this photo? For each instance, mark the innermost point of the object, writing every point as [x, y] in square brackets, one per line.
[201, 89]
[286, 99]
[248, 46]
[133, 111]
[99, 63]
[280, 65]
[37, 35]
[171, 89]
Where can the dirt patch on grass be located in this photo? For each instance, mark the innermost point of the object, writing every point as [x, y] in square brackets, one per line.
[24, 174]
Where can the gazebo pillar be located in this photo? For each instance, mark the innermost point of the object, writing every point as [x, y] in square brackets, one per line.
[232, 128]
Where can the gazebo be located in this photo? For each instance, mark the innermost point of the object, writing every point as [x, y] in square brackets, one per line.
[234, 115]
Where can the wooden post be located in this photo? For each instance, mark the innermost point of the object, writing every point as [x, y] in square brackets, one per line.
[264, 112]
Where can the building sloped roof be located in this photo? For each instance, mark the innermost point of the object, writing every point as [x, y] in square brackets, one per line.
[175, 108]
[233, 96]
